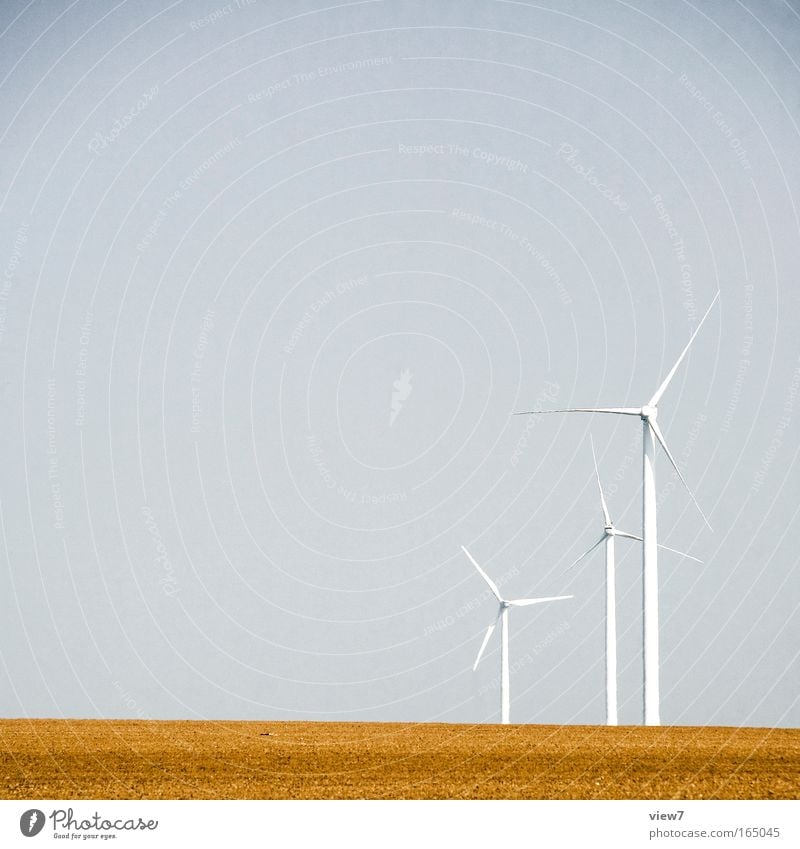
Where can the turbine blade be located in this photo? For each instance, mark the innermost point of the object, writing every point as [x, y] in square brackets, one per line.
[489, 581]
[665, 547]
[627, 535]
[489, 632]
[660, 437]
[524, 602]
[599, 486]
[682, 553]
[587, 552]
[660, 391]
[623, 411]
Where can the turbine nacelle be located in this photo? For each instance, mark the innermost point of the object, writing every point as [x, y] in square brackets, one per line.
[649, 412]
[609, 530]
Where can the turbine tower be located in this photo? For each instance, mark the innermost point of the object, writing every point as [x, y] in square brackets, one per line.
[502, 616]
[609, 534]
[650, 432]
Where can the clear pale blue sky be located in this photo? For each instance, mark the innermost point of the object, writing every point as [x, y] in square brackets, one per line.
[231, 233]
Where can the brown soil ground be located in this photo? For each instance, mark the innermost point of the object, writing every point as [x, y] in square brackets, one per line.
[87, 759]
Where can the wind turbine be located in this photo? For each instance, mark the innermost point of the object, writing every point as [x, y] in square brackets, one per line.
[609, 534]
[502, 616]
[650, 432]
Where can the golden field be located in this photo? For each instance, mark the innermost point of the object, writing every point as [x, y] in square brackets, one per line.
[122, 759]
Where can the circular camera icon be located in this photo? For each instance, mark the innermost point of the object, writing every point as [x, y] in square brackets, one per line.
[31, 822]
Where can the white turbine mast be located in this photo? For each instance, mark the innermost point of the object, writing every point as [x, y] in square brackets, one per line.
[609, 534]
[651, 432]
[502, 616]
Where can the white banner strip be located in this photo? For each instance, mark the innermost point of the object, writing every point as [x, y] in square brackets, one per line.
[405, 825]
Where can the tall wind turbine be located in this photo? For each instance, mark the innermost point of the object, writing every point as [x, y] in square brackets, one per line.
[650, 432]
[609, 534]
[502, 616]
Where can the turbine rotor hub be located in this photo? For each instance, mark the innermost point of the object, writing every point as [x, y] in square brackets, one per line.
[649, 412]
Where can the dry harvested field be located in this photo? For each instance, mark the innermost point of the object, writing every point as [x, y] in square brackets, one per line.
[88, 759]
